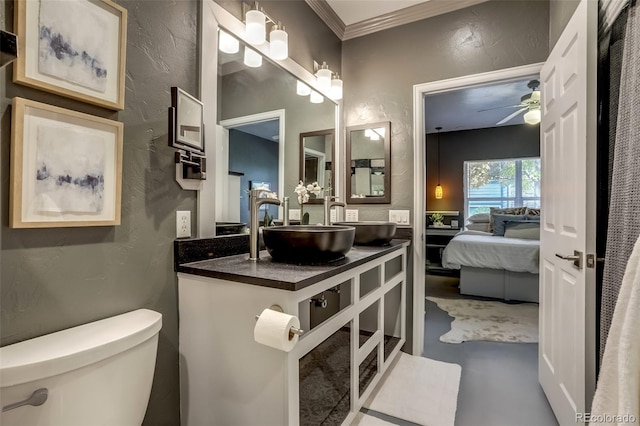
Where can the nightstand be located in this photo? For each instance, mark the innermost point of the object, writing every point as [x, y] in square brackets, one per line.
[436, 240]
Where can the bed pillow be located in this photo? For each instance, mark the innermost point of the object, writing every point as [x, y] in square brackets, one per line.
[484, 227]
[527, 230]
[499, 221]
[480, 218]
[509, 210]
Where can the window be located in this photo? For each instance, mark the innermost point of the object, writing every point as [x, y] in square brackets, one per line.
[501, 183]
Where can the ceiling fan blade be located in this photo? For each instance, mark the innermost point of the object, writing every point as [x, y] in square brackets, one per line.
[500, 107]
[504, 120]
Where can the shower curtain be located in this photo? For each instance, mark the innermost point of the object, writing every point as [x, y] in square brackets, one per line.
[624, 205]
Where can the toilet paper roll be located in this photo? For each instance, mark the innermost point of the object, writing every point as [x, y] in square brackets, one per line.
[272, 329]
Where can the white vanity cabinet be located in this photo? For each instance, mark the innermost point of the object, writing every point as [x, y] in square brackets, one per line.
[226, 378]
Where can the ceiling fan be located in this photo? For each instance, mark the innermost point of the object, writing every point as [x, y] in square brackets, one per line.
[529, 103]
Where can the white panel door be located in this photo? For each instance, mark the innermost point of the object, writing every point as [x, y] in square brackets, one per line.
[568, 130]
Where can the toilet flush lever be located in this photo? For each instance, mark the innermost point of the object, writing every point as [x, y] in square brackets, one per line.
[38, 397]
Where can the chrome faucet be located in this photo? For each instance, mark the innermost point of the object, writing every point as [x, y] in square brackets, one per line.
[285, 211]
[327, 208]
[255, 202]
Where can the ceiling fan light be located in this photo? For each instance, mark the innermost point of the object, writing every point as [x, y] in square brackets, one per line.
[532, 116]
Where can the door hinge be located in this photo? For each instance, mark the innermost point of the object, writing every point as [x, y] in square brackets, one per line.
[592, 260]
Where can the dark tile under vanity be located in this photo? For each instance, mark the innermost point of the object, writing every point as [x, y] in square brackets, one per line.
[284, 276]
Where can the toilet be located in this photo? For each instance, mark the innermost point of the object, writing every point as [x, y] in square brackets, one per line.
[94, 374]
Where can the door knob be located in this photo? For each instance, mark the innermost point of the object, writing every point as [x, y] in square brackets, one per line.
[576, 258]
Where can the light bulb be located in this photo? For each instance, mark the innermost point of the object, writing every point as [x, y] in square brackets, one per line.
[438, 192]
[302, 89]
[255, 27]
[278, 43]
[316, 98]
[324, 77]
[252, 58]
[532, 116]
[227, 43]
[336, 88]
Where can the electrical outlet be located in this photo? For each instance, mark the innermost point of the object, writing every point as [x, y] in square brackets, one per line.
[351, 215]
[401, 217]
[183, 223]
[294, 214]
[333, 216]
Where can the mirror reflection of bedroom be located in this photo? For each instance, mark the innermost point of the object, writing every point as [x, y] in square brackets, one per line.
[482, 240]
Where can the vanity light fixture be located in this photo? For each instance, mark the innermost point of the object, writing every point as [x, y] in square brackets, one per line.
[532, 116]
[316, 98]
[252, 58]
[278, 42]
[438, 187]
[255, 25]
[323, 74]
[336, 88]
[302, 89]
[228, 43]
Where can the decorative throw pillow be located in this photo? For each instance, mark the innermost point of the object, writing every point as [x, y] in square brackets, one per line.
[508, 210]
[480, 218]
[527, 230]
[481, 226]
[533, 212]
[499, 221]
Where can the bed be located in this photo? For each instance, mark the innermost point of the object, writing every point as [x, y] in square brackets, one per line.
[494, 266]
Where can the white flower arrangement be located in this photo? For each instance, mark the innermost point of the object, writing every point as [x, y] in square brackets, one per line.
[304, 191]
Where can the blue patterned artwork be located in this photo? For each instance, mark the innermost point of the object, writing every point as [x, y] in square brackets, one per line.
[70, 167]
[72, 44]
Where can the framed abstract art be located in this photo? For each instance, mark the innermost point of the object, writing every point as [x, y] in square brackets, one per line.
[66, 167]
[74, 48]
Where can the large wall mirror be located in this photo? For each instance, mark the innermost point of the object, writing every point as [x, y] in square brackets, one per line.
[317, 152]
[369, 164]
[260, 119]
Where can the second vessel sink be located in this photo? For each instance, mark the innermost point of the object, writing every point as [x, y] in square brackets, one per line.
[308, 243]
[371, 232]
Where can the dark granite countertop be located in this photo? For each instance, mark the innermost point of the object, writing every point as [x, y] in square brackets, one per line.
[284, 276]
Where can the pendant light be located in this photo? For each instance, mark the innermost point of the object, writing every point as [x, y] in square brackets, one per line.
[255, 26]
[438, 187]
[278, 42]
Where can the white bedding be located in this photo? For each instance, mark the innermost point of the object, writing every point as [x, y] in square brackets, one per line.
[483, 250]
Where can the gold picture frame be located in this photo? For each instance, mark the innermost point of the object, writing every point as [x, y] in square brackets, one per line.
[66, 167]
[73, 48]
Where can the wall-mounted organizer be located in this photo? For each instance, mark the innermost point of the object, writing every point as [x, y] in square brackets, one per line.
[186, 134]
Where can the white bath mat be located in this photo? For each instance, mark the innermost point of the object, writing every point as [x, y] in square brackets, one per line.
[363, 419]
[418, 390]
[486, 320]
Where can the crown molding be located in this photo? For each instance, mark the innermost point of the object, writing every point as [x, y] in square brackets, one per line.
[404, 16]
[328, 15]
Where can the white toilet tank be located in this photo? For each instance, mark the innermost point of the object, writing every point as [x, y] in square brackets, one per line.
[96, 374]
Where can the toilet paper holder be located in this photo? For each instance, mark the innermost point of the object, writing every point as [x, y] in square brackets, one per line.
[293, 331]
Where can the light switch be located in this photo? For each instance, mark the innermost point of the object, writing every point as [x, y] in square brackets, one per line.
[401, 217]
[351, 215]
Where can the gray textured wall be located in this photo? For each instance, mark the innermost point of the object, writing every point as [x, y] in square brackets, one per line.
[52, 279]
[560, 11]
[483, 144]
[380, 70]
